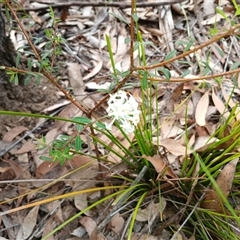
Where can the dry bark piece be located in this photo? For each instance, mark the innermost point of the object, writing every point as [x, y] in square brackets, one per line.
[7, 52]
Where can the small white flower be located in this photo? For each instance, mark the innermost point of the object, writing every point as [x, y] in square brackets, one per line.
[123, 107]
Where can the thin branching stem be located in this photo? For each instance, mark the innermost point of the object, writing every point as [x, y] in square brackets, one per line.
[209, 77]
[44, 72]
[216, 38]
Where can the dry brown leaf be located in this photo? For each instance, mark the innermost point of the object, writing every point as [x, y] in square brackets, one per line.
[7, 222]
[7, 174]
[55, 207]
[211, 128]
[203, 142]
[51, 135]
[201, 131]
[150, 211]
[15, 167]
[4, 169]
[228, 98]
[48, 227]
[160, 165]
[171, 158]
[210, 111]
[81, 202]
[157, 162]
[26, 147]
[87, 171]
[169, 129]
[174, 147]
[14, 132]
[78, 161]
[35, 17]
[192, 140]
[154, 32]
[117, 223]
[69, 112]
[220, 105]
[23, 187]
[28, 224]
[201, 110]
[95, 70]
[215, 46]
[171, 100]
[224, 181]
[90, 226]
[44, 168]
[177, 92]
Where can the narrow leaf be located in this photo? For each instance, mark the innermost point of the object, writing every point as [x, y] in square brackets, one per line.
[170, 55]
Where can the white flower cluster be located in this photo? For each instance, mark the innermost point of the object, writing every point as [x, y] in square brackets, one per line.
[123, 107]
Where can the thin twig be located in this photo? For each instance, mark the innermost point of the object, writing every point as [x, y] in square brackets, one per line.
[132, 37]
[44, 180]
[104, 4]
[201, 46]
[203, 78]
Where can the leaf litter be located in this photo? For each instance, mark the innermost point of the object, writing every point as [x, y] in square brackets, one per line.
[87, 61]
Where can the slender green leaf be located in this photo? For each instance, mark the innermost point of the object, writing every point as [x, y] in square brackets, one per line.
[165, 72]
[78, 143]
[120, 18]
[144, 81]
[111, 55]
[170, 55]
[135, 17]
[82, 120]
[185, 73]
[234, 65]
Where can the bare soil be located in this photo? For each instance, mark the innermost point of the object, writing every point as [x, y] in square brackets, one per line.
[32, 98]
